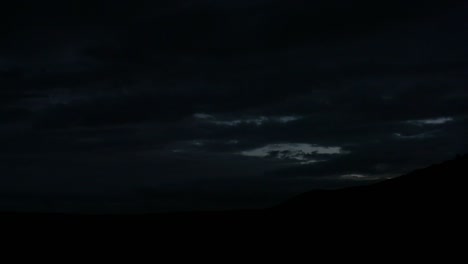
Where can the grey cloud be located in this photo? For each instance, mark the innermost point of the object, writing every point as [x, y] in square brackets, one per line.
[125, 98]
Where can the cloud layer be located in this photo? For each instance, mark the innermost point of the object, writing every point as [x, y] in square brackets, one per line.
[227, 96]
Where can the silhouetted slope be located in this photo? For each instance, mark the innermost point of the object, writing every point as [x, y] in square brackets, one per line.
[423, 195]
[436, 188]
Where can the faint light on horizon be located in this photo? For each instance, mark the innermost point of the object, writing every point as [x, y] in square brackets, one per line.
[363, 177]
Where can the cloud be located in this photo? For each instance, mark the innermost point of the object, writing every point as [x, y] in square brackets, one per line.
[434, 121]
[293, 151]
[263, 93]
[386, 156]
[257, 120]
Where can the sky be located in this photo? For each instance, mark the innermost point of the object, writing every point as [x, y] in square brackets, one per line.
[186, 105]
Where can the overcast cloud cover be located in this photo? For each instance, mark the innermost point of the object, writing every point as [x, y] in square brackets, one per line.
[226, 103]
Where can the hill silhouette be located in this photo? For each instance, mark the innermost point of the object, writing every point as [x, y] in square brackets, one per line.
[439, 189]
[435, 191]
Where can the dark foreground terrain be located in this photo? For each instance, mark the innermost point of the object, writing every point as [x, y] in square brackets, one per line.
[432, 197]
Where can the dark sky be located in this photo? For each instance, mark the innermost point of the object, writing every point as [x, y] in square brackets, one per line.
[225, 103]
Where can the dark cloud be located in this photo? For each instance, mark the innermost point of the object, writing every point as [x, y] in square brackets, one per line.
[177, 92]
